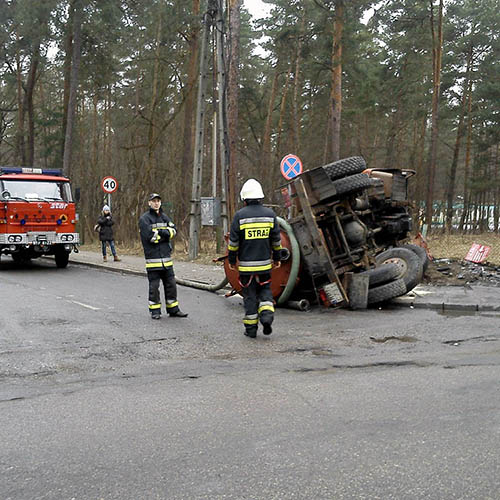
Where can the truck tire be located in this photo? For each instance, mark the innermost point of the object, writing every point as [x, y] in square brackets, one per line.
[386, 292]
[62, 258]
[422, 254]
[382, 274]
[345, 167]
[352, 184]
[410, 267]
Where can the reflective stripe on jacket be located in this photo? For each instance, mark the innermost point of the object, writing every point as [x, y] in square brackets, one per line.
[255, 234]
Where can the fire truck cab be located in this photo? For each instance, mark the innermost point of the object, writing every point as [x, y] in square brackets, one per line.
[37, 214]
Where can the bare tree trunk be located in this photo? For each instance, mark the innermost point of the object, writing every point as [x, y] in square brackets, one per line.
[266, 140]
[75, 66]
[496, 199]
[68, 49]
[437, 46]
[148, 167]
[336, 91]
[296, 105]
[188, 132]
[28, 100]
[232, 108]
[465, 212]
[281, 120]
[456, 151]
[20, 150]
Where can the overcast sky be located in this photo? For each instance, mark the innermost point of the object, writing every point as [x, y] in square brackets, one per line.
[257, 8]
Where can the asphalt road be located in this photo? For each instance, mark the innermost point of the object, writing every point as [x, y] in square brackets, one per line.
[98, 401]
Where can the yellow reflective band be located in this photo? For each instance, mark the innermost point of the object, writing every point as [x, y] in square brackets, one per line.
[256, 225]
[155, 306]
[250, 321]
[173, 304]
[279, 247]
[158, 264]
[233, 249]
[257, 233]
[266, 308]
[254, 268]
[172, 232]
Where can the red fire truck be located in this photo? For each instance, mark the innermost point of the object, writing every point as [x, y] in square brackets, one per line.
[37, 214]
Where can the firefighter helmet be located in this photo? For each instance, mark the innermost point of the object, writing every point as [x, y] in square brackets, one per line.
[251, 190]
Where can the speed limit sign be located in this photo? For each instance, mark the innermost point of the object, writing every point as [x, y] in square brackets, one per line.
[109, 184]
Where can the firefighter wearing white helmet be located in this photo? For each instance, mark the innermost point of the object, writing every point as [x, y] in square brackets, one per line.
[255, 241]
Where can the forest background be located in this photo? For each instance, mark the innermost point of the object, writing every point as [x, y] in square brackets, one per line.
[108, 87]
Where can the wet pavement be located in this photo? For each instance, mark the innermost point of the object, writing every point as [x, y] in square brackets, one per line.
[466, 298]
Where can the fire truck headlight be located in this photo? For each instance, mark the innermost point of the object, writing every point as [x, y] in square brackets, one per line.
[11, 239]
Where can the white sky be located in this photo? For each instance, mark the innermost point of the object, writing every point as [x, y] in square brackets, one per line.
[257, 8]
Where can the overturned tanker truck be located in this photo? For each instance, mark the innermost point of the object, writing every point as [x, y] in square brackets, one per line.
[347, 244]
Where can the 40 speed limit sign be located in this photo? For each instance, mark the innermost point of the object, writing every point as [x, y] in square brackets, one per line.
[109, 184]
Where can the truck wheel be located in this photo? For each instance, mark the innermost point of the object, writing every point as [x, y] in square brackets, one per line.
[386, 292]
[352, 183]
[422, 254]
[382, 274]
[345, 167]
[410, 267]
[62, 258]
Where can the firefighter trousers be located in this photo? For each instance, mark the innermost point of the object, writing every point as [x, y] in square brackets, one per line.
[167, 277]
[257, 300]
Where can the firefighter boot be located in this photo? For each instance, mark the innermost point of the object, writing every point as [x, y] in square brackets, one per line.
[251, 332]
[268, 329]
[104, 258]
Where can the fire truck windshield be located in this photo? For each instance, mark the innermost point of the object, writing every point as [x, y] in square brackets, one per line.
[28, 190]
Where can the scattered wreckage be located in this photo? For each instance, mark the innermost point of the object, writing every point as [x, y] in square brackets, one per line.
[346, 244]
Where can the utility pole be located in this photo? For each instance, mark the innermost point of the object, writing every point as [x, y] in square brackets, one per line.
[213, 18]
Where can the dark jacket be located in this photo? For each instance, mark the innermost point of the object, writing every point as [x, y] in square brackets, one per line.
[254, 233]
[105, 224]
[156, 232]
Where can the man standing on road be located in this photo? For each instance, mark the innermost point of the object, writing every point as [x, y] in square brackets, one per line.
[157, 230]
[254, 233]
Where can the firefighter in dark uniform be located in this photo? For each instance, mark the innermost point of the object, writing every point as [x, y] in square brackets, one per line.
[157, 230]
[253, 240]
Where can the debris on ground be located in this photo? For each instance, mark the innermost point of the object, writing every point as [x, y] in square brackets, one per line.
[454, 272]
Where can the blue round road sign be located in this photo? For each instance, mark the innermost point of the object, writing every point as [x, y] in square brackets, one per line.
[290, 167]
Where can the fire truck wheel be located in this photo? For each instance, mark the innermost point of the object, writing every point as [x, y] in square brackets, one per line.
[410, 267]
[352, 183]
[386, 292]
[382, 274]
[62, 258]
[345, 167]
[422, 254]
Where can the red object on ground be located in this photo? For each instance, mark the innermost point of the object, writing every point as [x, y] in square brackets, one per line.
[478, 253]
[420, 241]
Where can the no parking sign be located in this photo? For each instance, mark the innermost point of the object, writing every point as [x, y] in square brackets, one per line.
[290, 167]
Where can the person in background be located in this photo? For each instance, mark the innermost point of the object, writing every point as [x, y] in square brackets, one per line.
[105, 227]
[156, 231]
[254, 236]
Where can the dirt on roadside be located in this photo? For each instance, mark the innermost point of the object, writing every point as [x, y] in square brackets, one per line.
[453, 272]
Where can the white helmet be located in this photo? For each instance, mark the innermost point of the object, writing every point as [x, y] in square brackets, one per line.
[251, 190]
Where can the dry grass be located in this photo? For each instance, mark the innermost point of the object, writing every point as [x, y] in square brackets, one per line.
[456, 246]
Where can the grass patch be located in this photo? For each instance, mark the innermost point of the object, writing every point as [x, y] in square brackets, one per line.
[456, 246]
